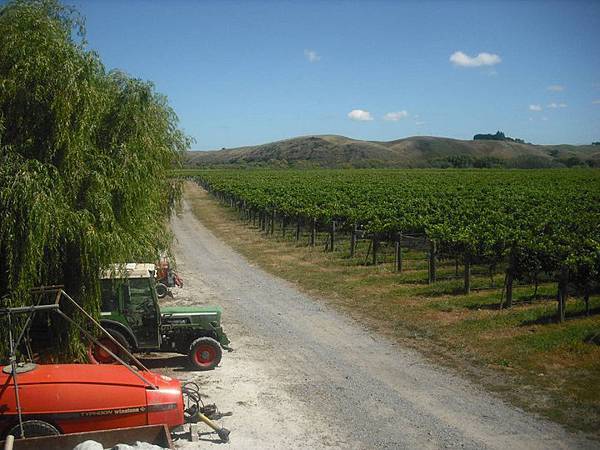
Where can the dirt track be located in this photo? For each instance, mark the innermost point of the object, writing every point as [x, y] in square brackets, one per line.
[305, 376]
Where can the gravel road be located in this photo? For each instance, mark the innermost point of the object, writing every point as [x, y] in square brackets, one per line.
[306, 376]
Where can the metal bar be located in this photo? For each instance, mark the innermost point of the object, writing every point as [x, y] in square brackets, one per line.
[43, 289]
[95, 341]
[137, 361]
[28, 309]
[27, 323]
[13, 366]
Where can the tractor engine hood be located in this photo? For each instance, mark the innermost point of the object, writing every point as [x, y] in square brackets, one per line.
[209, 313]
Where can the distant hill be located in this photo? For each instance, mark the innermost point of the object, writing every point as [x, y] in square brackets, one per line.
[329, 151]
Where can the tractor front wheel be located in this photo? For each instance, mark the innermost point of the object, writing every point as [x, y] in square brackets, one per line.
[97, 355]
[205, 353]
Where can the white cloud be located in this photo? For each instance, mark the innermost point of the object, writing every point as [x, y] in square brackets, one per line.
[557, 105]
[419, 123]
[535, 107]
[556, 88]
[544, 118]
[360, 114]
[483, 59]
[395, 116]
[596, 102]
[311, 56]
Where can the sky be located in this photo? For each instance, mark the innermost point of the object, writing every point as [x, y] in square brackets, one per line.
[250, 72]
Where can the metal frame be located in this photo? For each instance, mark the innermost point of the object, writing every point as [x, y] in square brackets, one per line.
[55, 307]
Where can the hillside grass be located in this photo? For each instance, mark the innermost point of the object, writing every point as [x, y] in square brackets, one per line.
[327, 151]
[519, 353]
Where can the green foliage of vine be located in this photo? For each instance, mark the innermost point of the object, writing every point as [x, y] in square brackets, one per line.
[547, 219]
[84, 159]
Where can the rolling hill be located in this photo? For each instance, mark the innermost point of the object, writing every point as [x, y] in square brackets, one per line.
[331, 151]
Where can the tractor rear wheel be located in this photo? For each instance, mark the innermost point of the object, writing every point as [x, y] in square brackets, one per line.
[34, 428]
[97, 355]
[205, 353]
[161, 290]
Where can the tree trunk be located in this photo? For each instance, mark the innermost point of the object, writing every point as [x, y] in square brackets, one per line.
[586, 299]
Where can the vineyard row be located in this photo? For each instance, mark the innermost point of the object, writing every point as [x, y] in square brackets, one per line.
[563, 247]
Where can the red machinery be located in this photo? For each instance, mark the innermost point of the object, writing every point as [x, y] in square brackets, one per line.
[73, 398]
[42, 400]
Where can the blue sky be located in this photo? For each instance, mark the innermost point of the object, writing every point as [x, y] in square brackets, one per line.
[248, 72]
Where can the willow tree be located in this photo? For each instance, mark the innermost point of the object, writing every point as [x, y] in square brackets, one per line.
[84, 160]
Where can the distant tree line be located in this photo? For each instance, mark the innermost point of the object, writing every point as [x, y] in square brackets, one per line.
[499, 136]
[520, 162]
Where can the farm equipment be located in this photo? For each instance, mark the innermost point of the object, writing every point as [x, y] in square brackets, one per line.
[48, 400]
[73, 398]
[131, 314]
[166, 277]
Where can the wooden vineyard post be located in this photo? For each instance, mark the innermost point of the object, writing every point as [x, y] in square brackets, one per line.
[353, 240]
[563, 283]
[332, 236]
[510, 275]
[398, 253]
[298, 228]
[432, 256]
[375, 248]
[467, 273]
[313, 232]
[272, 231]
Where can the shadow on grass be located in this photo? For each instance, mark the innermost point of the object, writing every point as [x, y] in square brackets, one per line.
[552, 318]
[522, 301]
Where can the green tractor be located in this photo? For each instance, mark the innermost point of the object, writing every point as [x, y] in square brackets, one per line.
[131, 314]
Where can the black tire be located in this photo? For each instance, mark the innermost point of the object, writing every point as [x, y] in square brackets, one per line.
[161, 290]
[205, 354]
[97, 355]
[34, 428]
